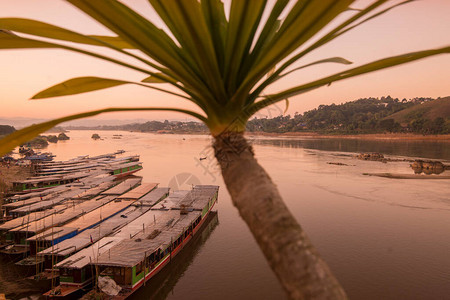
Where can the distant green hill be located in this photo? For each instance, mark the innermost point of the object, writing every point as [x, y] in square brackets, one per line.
[431, 110]
[367, 115]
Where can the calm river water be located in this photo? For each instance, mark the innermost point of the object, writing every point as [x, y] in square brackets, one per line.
[383, 238]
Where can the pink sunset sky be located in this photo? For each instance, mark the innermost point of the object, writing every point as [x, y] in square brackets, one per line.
[416, 26]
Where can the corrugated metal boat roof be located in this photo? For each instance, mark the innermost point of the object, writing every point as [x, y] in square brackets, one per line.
[198, 197]
[94, 191]
[98, 214]
[87, 220]
[173, 200]
[63, 216]
[52, 234]
[47, 203]
[54, 178]
[123, 186]
[27, 201]
[90, 254]
[139, 191]
[66, 169]
[151, 198]
[20, 221]
[52, 190]
[123, 165]
[129, 253]
[97, 232]
[136, 226]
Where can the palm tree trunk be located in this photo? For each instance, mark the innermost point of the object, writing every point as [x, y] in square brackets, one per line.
[292, 257]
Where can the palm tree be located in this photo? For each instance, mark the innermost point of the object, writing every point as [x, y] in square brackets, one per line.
[223, 65]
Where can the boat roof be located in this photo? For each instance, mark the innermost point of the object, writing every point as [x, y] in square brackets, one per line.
[120, 159]
[64, 216]
[97, 232]
[169, 225]
[94, 187]
[63, 169]
[198, 197]
[47, 203]
[52, 234]
[135, 227]
[27, 201]
[20, 221]
[153, 197]
[130, 252]
[96, 178]
[53, 178]
[173, 200]
[94, 191]
[87, 220]
[52, 190]
[138, 191]
[97, 215]
[126, 224]
[122, 165]
[123, 186]
[90, 254]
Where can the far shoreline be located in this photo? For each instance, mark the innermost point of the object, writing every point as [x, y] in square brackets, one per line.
[372, 136]
[298, 134]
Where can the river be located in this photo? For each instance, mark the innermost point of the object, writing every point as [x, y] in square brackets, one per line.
[383, 238]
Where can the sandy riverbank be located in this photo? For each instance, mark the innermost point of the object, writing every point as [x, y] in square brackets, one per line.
[10, 174]
[378, 136]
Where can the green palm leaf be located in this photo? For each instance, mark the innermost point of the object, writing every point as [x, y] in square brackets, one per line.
[186, 22]
[88, 84]
[54, 32]
[144, 35]
[367, 68]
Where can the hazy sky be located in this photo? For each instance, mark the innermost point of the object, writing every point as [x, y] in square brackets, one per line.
[417, 26]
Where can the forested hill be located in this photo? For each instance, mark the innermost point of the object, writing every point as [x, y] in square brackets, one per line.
[431, 110]
[368, 115]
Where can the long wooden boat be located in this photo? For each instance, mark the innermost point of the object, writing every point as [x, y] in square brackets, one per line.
[122, 170]
[20, 234]
[66, 170]
[134, 261]
[118, 225]
[83, 165]
[143, 248]
[160, 286]
[40, 184]
[86, 188]
[73, 275]
[55, 235]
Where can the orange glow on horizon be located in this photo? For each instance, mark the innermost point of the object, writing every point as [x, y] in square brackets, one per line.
[416, 26]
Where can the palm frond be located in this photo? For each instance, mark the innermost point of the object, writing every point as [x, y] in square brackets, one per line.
[88, 84]
[366, 68]
[21, 136]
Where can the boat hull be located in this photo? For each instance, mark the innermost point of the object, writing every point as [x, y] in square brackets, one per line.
[66, 291]
[120, 175]
[127, 292]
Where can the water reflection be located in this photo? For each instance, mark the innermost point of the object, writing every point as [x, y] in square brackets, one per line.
[413, 148]
[394, 232]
